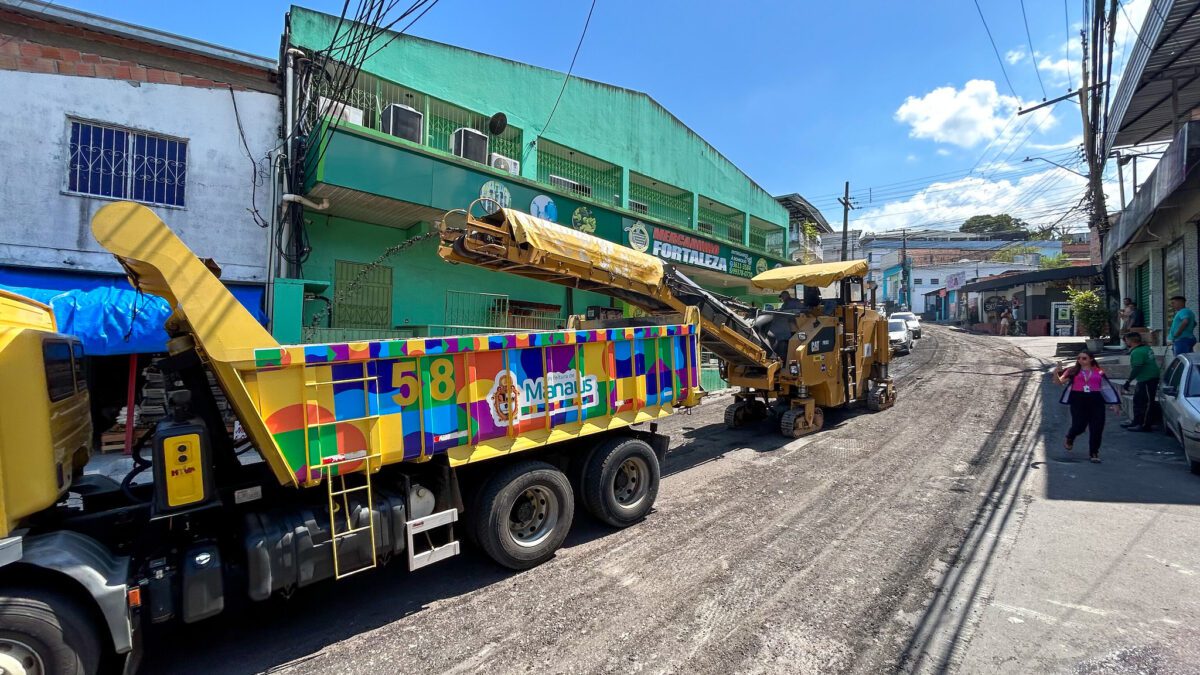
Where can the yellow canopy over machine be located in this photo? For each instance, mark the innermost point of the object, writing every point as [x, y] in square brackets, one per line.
[820, 274]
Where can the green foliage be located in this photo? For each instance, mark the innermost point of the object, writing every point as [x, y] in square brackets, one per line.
[1009, 253]
[1053, 262]
[1088, 306]
[997, 224]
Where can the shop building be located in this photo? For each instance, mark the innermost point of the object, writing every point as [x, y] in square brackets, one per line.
[100, 110]
[417, 133]
[1151, 251]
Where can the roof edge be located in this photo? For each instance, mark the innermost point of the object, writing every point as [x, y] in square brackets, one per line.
[101, 24]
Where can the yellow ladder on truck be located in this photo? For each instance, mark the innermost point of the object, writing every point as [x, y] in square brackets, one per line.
[339, 502]
[338, 489]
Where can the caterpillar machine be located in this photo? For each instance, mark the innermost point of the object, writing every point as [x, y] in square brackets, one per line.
[787, 364]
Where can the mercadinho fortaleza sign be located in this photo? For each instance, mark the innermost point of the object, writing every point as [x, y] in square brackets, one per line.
[686, 249]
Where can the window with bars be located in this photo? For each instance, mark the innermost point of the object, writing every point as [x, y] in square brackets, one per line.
[120, 163]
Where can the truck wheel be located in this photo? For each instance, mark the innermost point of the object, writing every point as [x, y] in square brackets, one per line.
[620, 481]
[524, 513]
[43, 632]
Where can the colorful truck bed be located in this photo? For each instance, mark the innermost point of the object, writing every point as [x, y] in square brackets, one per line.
[471, 398]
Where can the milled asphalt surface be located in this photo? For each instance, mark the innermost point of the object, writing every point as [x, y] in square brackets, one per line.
[853, 550]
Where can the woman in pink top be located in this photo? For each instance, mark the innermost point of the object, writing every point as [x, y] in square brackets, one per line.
[1088, 389]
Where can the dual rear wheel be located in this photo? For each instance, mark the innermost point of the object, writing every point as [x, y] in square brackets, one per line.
[525, 510]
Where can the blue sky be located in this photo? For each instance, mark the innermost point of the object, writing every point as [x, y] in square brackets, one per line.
[901, 98]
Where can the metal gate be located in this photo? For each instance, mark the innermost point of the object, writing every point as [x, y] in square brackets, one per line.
[369, 303]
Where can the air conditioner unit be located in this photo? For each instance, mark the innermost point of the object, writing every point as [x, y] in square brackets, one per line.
[339, 110]
[470, 144]
[499, 161]
[638, 207]
[568, 184]
[402, 121]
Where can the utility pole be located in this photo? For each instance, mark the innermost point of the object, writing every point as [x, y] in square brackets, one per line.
[1090, 99]
[904, 289]
[846, 206]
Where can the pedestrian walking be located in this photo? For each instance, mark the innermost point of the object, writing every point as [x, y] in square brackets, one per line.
[1183, 326]
[1087, 391]
[1143, 372]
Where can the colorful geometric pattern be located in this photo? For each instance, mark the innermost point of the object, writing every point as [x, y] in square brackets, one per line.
[330, 406]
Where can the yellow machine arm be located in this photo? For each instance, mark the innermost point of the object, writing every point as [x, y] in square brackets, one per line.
[517, 243]
[158, 262]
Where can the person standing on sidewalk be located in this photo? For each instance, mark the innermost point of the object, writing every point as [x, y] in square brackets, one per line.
[1005, 321]
[1143, 370]
[1087, 391]
[1183, 327]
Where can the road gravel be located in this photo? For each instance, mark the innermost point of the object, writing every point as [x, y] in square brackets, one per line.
[824, 554]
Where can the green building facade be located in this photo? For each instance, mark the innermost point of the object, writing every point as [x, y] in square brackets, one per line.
[612, 162]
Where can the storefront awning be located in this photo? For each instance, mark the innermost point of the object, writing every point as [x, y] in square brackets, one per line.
[821, 274]
[1040, 276]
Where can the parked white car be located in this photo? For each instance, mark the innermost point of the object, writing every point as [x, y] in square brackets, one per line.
[900, 337]
[914, 323]
[1179, 397]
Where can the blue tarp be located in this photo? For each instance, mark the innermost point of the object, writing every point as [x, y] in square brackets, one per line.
[104, 313]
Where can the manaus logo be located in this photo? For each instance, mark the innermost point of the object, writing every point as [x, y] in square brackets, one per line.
[509, 403]
[639, 236]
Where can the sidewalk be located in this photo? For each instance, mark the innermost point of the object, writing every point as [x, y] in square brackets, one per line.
[1102, 572]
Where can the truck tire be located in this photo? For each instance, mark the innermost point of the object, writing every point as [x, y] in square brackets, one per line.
[42, 631]
[523, 514]
[620, 481]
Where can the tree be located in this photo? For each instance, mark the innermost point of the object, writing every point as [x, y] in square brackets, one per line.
[1009, 253]
[998, 224]
[1053, 262]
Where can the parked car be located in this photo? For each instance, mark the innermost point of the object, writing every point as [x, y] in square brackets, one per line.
[900, 337]
[1179, 397]
[913, 322]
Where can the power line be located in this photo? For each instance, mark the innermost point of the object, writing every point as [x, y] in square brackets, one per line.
[996, 50]
[570, 69]
[1032, 51]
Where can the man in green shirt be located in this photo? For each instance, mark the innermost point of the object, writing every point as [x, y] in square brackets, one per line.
[1143, 370]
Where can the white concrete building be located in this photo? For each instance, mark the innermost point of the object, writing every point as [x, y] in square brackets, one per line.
[96, 110]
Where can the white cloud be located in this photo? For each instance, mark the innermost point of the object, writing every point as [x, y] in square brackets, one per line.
[1015, 56]
[943, 152]
[1039, 198]
[963, 117]
[1059, 72]
[911, 158]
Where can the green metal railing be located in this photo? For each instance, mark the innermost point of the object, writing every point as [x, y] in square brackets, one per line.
[767, 238]
[373, 94]
[673, 206]
[576, 172]
[321, 335]
[721, 225]
[444, 118]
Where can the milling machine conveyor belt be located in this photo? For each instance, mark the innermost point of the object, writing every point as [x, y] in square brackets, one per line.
[518, 243]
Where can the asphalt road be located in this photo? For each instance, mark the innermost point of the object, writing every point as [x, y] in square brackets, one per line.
[822, 554]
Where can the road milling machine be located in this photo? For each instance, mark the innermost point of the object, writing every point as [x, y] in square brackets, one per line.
[791, 365]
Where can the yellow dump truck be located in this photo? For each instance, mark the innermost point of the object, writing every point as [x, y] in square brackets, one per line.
[371, 452]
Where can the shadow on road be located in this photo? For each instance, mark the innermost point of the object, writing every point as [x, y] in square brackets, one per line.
[1145, 468]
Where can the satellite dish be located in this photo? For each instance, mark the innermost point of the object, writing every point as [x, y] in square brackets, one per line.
[498, 123]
